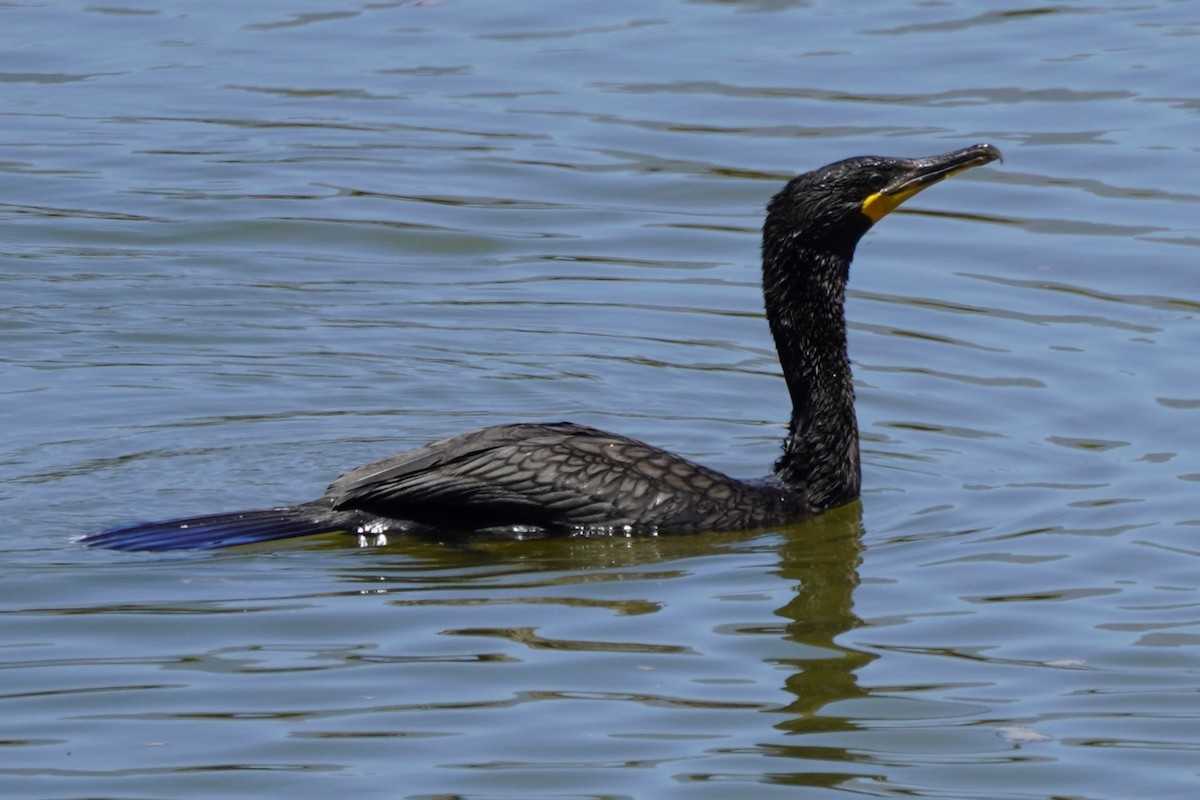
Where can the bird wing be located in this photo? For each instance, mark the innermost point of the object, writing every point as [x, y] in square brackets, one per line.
[548, 475]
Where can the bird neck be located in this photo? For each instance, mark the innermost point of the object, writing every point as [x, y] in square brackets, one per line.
[805, 293]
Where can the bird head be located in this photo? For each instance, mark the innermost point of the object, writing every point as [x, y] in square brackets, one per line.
[829, 209]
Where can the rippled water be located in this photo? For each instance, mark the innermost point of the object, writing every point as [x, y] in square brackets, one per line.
[246, 248]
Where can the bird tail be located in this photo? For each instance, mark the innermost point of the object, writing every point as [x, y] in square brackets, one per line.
[226, 530]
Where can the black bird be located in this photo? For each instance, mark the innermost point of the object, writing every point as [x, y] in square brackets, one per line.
[541, 479]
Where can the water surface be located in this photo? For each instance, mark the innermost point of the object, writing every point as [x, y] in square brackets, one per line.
[248, 248]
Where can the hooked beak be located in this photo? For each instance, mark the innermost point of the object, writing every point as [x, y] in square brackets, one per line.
[925, 172]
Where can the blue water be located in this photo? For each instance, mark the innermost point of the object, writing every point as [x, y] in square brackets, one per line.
[248, 247]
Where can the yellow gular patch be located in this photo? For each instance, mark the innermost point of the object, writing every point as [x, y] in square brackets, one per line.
[879, 205]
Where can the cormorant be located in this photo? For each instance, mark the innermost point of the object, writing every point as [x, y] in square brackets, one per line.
[540, 479]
